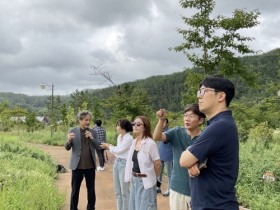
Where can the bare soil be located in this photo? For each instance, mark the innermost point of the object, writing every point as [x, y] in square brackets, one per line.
[105, 198]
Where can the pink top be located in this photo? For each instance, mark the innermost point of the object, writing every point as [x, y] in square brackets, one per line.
[147, 154]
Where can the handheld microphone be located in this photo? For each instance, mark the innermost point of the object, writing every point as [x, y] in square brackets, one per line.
[87, 129]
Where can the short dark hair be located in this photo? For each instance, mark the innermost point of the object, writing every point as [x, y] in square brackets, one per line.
[195, 109]
[219, 83]
[82, 114]
[125, 124]
[98, 122]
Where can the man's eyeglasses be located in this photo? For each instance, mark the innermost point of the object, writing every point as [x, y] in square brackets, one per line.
[191, 116]
[202, 91]
[136, 124]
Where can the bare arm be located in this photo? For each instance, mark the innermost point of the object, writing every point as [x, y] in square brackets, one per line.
[105, 145]
[119, 149]
[194, 170]
[187, 159]
[157, 167]
[158, 134]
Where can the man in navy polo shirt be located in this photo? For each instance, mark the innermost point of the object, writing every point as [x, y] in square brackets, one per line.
[180, 138]
[213, 186]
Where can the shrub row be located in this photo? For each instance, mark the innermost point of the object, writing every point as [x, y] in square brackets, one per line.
[26, 177]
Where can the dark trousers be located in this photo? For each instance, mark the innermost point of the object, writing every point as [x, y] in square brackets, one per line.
[101, 157]
[77, 178]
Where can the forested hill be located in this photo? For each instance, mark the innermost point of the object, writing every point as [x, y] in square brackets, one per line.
[165, 90]
[31, 103]
[266, 67]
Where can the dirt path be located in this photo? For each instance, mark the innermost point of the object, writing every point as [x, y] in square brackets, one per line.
[105, 199]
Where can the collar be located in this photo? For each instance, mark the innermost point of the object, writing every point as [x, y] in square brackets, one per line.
[84, 130]
[219, 115]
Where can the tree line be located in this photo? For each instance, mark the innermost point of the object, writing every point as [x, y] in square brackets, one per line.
[256, 76]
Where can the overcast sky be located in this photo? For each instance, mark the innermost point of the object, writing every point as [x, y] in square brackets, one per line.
[56, 41]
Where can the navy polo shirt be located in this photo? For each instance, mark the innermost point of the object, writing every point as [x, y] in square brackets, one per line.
[214, 188]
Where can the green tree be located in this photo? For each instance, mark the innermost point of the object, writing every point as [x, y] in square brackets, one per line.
[64, 114]
[191, 83]
[211, 43]
[97, 107]
[18, 113]
[54, 110]
[128, 102]
[79, 98]
[3, 106]
[5, 116]
[31, 121]
[71, 117]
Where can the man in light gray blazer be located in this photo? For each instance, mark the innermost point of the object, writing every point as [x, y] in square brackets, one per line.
[83, 142]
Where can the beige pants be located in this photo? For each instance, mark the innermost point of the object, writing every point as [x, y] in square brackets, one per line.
[179, 201]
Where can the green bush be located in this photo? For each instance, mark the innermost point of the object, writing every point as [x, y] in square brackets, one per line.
[262, 135]
[26, 177]
[44, 137]
[112, 137]
[252, 190]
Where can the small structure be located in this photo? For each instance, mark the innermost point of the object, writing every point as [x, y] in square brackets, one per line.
[269, 176]
[18, 119]
[43, 119]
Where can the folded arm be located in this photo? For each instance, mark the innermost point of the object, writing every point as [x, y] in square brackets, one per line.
[187, 159]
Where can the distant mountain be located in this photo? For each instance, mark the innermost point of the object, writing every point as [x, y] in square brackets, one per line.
[165, 90]
[31, 103]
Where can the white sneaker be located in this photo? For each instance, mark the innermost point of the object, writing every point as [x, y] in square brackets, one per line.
[100, 168]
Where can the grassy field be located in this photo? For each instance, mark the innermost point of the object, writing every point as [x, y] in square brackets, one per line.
[27, 177]
[256, 160]
[27, 174]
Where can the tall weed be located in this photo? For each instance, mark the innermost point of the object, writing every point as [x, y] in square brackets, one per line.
[26, 177]
[255, 160]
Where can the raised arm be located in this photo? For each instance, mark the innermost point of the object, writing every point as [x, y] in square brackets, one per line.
[158, 135]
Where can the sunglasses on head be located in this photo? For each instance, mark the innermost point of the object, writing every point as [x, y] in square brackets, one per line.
[136, 124]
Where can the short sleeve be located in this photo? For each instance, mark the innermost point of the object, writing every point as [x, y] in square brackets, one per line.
[209, 142]
[154, 154]
[170, 134]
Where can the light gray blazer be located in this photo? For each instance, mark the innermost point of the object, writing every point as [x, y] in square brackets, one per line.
[76, 147]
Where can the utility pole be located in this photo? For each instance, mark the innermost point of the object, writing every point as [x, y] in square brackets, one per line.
[43, 86]
[52, 118]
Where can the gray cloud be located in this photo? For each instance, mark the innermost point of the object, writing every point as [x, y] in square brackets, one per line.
[56, 42]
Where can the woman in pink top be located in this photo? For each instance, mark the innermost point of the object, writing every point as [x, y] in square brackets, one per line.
[142, 167]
